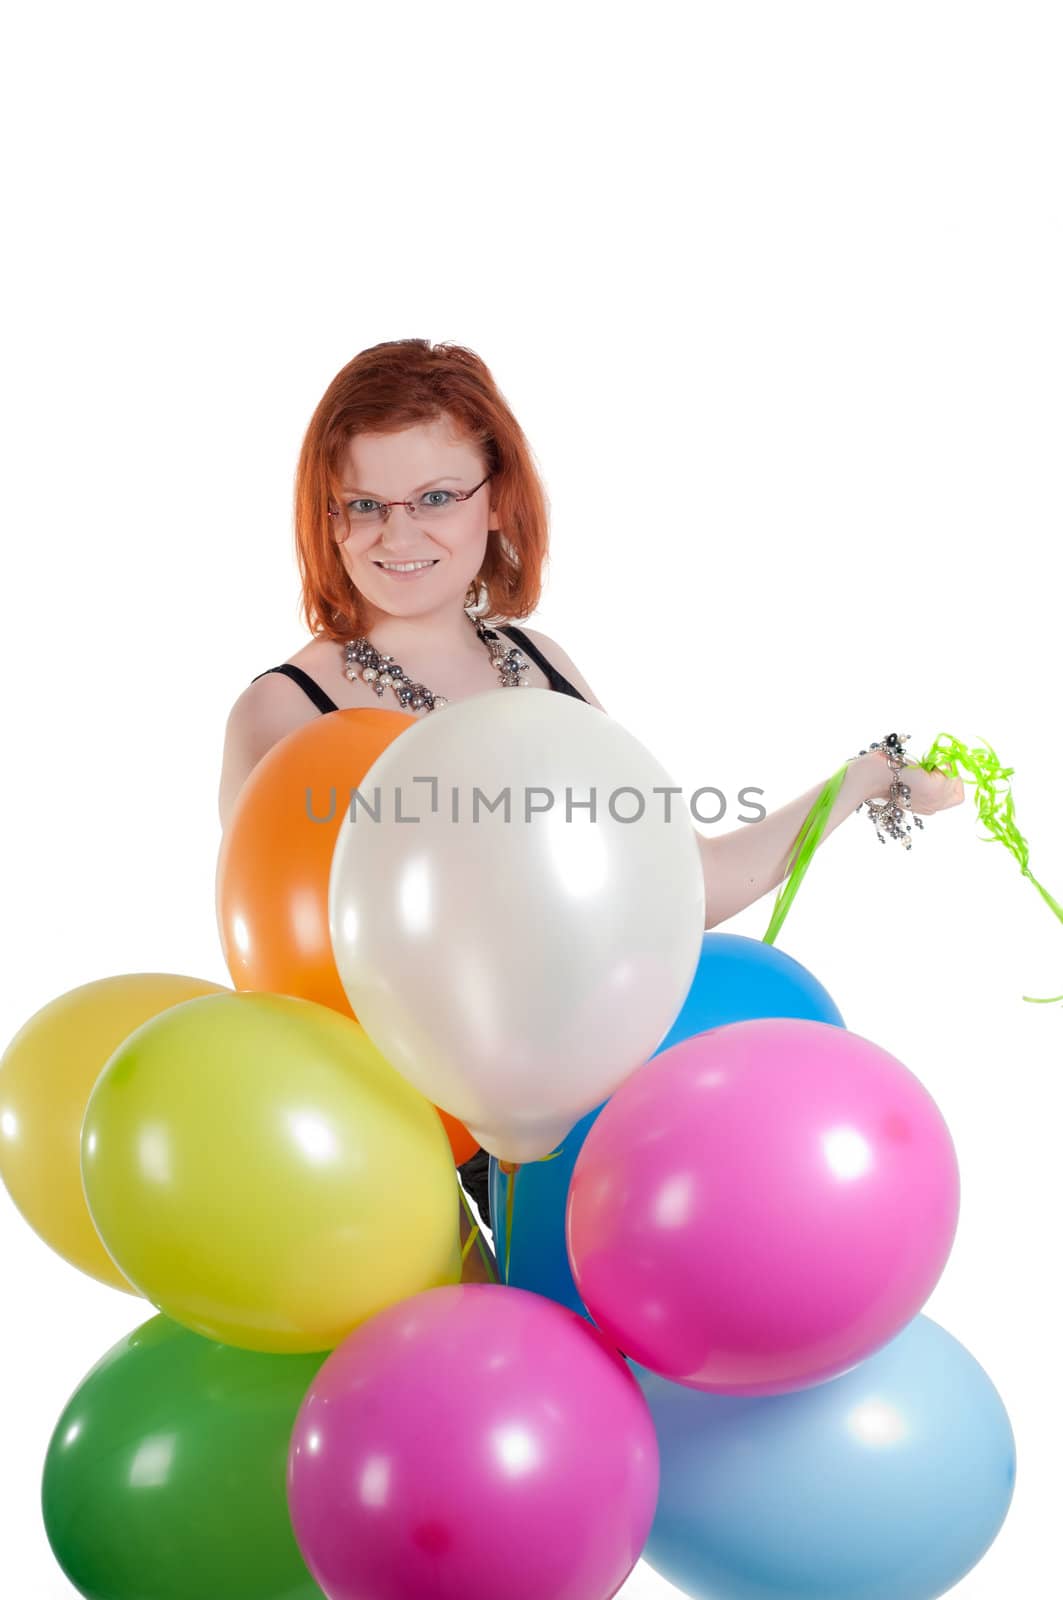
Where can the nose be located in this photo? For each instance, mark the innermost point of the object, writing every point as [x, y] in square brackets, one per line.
[400, 533]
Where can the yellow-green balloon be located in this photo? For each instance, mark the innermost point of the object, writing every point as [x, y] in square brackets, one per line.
[264, 1176]
[46, 1076]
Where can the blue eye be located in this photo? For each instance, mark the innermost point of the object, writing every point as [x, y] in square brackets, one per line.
[362, 508]
[444, 494]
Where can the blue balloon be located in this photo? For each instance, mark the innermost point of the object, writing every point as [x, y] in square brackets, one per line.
[737, 978]
[538, 1259]
[888, 1483]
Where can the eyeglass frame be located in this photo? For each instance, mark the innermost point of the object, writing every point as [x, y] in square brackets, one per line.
[460, 495]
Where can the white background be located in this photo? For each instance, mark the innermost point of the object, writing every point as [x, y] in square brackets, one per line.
[773, 291]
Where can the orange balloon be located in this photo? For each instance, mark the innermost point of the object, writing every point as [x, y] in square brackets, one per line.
[276, 856]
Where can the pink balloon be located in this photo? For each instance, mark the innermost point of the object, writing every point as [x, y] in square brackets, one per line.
[763, 1206]
[473, 1443]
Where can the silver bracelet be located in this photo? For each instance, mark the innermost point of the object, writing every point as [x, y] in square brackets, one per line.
[890, 814]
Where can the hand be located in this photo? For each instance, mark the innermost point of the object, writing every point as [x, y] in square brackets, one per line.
[930, 791]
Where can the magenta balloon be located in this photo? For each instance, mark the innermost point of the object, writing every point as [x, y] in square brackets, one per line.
[474, 1441]
[762, 1206]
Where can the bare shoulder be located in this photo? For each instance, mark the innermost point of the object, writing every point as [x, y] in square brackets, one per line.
[318, 651]
[271, 702]
[563, 662]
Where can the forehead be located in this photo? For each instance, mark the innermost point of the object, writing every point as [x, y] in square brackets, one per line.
[403, 456]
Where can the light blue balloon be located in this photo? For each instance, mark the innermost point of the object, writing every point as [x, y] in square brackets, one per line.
[736, 978]
[888, 1483]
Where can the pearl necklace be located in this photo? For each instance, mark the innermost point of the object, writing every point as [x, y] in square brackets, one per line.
[384, 672]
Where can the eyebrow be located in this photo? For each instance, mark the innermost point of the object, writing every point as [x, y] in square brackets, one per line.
[444, 478]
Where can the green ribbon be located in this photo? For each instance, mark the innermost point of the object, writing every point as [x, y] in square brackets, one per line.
[511, 1184]
[804, 848]
[993, 799]
[477, 1238]
[511, 1189]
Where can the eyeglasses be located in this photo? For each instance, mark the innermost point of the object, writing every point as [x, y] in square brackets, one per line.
[434, 506]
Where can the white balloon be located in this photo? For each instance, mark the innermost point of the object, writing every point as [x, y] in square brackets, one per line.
[516, 971]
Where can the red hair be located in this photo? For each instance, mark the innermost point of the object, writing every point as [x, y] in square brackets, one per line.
[397, 385]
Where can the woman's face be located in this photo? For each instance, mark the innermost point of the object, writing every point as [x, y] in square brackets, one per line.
[405, 465]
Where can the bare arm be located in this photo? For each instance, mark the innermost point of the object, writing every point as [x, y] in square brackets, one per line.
[268, 709]
[753, 859]
[742, 865]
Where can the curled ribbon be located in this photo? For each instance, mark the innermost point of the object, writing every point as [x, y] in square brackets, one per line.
[996, 811]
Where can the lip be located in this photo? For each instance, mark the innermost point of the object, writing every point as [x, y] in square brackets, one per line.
[408, 577]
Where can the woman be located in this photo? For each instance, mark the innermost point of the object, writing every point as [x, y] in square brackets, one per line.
[420, 522]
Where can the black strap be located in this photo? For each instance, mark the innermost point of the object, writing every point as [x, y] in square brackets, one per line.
[323, 701]
[557, 679]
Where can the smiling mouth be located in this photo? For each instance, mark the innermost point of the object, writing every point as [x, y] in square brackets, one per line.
[392, 565]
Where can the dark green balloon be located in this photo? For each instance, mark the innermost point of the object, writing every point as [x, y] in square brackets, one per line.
[166, 1475]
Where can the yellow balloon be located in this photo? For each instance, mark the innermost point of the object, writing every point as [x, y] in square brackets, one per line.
[264, 1176]
[46, 1076]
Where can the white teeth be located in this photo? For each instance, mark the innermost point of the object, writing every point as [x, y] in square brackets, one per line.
[408, 566]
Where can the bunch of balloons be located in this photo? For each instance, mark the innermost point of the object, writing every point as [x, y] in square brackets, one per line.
[720, 1212]
[322, 1404]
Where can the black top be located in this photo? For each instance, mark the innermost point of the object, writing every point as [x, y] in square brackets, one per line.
[325, 702]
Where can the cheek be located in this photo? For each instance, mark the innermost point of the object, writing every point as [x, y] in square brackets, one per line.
[358, 547]
[472, 544]
[343, 551]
